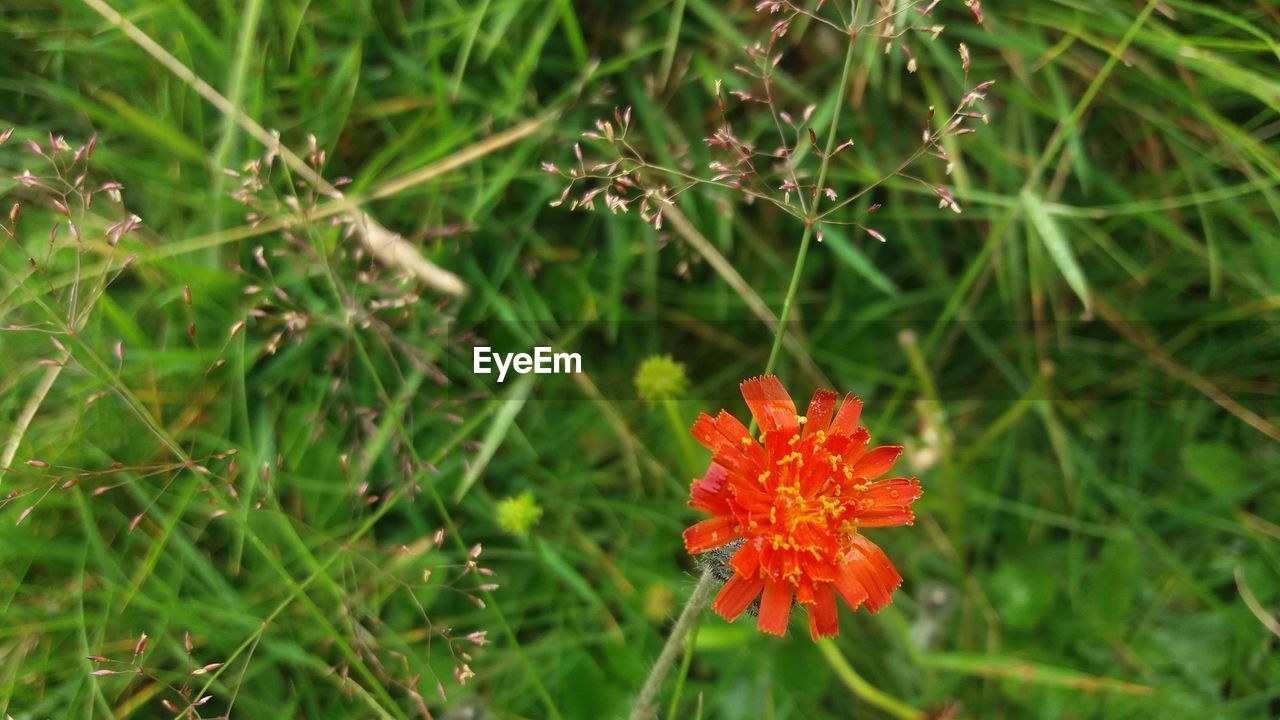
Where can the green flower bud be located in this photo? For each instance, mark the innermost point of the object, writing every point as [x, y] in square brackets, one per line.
[661, 378]
[519, 513]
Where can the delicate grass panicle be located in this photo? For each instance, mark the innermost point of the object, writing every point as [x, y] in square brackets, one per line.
[86, 223]
[370, 656]
[185, 683]
[381, 302]
[786, 165]
[65, 183]
[92, 241]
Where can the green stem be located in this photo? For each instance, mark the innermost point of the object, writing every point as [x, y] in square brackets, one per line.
[681, 430]
[646, 702]
[673, 38]
[947, 470]
[863, 689]
[794, 288]
[683, 672]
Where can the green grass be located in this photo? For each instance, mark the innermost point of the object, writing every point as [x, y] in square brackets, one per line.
[1093, 341]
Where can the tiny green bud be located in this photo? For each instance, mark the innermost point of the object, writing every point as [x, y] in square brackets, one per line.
[519, 513]
[661, 378]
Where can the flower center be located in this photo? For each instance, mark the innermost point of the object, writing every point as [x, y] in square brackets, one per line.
[803, 524]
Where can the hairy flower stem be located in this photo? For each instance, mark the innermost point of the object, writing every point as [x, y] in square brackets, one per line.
[646, 703]
[645, 706]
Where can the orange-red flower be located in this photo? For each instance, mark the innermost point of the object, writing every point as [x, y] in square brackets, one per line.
[798, 499]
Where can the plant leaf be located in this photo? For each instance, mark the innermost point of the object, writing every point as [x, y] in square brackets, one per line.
[1059, 249]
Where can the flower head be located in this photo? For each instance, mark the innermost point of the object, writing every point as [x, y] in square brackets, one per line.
[519, 513]
[798, 499]
[660, 378]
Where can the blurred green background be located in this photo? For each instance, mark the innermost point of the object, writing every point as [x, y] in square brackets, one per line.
[1082, 364]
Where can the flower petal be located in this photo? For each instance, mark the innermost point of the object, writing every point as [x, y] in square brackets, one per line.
[887, 503]
[729, 442]
[824, 621]
[736, 595]
[705, 432]
[777, 445]
[849, 587]
[821, 407]
[747, 560]
[817, 569]
[752, 499]
[707, 494]
[710, 534]
[775, 606]
[849, 447]
[770, 404]
[733, 429]
[738, 434]
[868, 567]
[805, 591]
[847, 419]
[877, 462]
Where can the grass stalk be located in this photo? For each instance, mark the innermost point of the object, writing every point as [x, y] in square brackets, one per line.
[681, 430]
[683, 673]
[28, 413]
[673, 39]
[802, 254]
